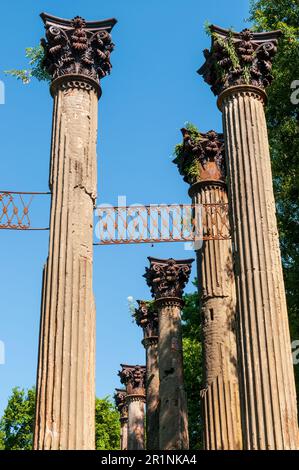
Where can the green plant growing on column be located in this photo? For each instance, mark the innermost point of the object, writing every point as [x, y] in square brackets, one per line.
[229, 46]
[36, 69]
[188, 166]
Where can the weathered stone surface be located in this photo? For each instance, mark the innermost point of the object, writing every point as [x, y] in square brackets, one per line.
[65, 383]
[133, 377]
[65, 403]
[167, 279]
[120, 401]
[268, 395]
[147, 318]
[220, 394]
[136, 437]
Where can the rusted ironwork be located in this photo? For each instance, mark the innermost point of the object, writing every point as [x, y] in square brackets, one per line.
[161, 223]
[77, 47]
[254, 53]
[15, 210]
[133, 224]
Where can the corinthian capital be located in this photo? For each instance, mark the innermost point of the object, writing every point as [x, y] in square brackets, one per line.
[146, 316]
[243, 58]
[77, 47]
[200, 157]
[133, 377]
[168, 278]
[120, 398]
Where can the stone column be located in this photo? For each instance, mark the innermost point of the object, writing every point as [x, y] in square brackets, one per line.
[220, 395]
[147, 318]
[120, 402]
[167, 279]
[268, 396]
[76, 56]
[133, 377]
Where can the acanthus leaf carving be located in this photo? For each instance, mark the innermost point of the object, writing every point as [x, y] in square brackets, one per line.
[201, 157]
[120, 399]
[146, 316]
[133, 377]
[243, 58]
[77, 47]
[168, 278]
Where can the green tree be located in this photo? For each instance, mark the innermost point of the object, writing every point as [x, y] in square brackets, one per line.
[107, 425]
[192, 365]
[283, 124]
[16, 425]
[35, 56]
[2, 445]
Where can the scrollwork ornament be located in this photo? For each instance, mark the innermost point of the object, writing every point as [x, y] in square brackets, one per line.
[168, 278]
[77, 47]
[235, 59]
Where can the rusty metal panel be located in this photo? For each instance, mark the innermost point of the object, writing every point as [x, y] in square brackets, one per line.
[15, 210]
[161, 223]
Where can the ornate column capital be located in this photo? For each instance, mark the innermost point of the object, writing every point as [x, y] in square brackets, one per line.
[133, 377]
[200, 158]
[146, 316]
[77, 51]
[236, 59]
[167, 278]
[120, 402]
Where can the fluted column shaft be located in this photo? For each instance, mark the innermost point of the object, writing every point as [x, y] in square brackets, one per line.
[268, 398]
[167, 280]
[173, 422]
[136, 422]
[152, 393]
[124, 433]
[65, 411]
[220, 395]
[146, 317]
[120, 402]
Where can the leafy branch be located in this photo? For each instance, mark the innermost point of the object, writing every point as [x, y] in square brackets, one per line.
[229, 46]
[36, 69]
[188, 165]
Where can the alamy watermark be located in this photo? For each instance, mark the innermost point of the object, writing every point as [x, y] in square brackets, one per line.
[2, 353]
[137, 223]
[295, 352]
[295, 94]
[2, 92]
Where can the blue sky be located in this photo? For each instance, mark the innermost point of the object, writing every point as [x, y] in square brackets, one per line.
[152, 91]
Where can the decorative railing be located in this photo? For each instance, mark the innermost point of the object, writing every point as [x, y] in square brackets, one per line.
[161, 223]
[15, 210]
[132, 224]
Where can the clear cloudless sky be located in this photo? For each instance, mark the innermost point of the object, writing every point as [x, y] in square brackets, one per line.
[152, 91]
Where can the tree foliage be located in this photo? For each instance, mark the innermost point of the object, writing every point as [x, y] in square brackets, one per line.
[35, 56]
[107, 425]
[16, 425]
[188, 166]
[192, 365]
[283, 124]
